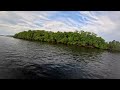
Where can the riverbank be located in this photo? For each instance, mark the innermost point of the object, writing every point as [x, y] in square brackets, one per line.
[81, 38]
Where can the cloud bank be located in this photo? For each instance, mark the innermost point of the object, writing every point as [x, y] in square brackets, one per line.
[104, 23]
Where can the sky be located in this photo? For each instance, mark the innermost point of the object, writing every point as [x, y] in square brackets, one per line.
[105, 24]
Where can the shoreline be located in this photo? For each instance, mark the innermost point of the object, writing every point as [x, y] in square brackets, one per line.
[81, 39]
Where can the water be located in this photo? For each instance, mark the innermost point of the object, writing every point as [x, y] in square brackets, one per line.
[20, 59]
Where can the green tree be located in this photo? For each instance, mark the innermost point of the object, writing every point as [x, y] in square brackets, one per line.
[80, 38]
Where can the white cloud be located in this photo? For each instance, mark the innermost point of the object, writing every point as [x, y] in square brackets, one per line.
[57, 26]
[104, 23]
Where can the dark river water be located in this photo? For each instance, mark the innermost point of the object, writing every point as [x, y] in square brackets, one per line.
[20, 59]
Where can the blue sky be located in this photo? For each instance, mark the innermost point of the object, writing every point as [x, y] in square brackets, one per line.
[104, 23]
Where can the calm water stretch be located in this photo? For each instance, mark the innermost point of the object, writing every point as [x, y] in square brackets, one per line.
[21, 59]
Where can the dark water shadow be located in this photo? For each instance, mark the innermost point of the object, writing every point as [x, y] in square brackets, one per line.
[55, 71]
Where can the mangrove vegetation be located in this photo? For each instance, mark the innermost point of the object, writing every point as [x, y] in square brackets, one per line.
[78, 38]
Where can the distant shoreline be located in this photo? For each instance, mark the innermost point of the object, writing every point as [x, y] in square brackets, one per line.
[8, 35]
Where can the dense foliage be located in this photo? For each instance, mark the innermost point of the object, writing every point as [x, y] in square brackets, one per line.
[80, 38]
[114, 45]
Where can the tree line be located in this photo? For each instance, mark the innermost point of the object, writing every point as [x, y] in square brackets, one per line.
[79, 38]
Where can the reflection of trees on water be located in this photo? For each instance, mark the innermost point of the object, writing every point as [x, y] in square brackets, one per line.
[59, 53]
[80, 53]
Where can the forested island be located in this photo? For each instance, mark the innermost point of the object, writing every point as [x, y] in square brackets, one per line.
[78, 38]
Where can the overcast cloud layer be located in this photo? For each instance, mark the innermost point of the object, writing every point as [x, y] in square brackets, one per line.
[104, 23]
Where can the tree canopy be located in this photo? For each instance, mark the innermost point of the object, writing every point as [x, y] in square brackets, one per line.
[79, 38]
